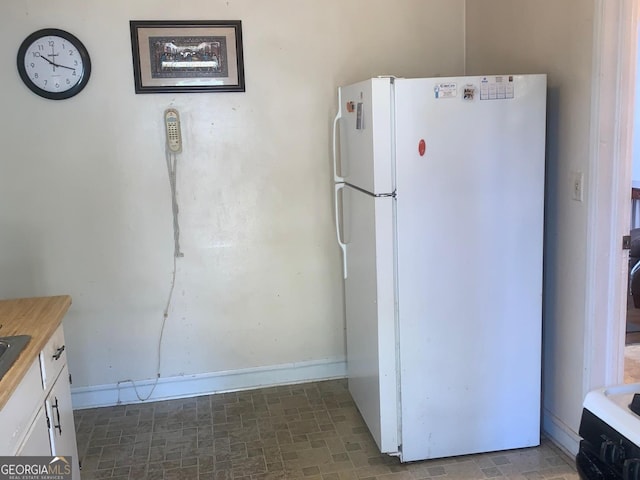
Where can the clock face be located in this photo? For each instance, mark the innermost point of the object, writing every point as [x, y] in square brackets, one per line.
[54, 64]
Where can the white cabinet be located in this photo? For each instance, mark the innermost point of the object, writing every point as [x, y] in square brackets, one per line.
[39, 414]
[53, 358]
[60, 412]
[17, 415]
[37, 440]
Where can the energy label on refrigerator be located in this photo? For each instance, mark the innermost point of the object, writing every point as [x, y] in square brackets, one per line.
[496, 88]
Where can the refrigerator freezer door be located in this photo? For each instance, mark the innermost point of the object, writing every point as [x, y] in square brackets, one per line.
[370, 312]
[365, 136]
[470, 230]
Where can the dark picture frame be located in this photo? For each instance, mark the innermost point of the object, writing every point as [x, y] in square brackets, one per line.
[187, 56]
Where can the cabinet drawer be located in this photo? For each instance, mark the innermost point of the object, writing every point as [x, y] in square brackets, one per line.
[18, 412]
[53, 358]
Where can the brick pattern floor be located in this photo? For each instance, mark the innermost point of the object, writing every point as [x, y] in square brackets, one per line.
[310, 431]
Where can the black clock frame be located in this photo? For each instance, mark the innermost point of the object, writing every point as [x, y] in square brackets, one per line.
[84, 55]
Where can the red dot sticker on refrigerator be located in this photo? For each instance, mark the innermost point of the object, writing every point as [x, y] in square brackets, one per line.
[422, 147]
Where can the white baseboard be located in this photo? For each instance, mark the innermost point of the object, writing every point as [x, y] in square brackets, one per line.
[206, 383]
[560, 433]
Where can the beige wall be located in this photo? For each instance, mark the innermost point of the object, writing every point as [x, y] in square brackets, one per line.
[84, 196]
[553, 37]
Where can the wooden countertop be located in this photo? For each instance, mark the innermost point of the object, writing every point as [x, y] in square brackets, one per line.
[38, 317]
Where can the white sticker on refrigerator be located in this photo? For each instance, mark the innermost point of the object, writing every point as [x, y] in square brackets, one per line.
[497, 88]
[446, 90]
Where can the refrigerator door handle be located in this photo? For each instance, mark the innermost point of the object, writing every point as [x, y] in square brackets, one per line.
[343, 246]
[336, 177]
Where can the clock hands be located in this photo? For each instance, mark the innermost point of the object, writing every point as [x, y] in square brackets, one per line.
[55, 64]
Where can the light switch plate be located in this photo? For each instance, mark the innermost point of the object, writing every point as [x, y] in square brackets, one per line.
[577, 186]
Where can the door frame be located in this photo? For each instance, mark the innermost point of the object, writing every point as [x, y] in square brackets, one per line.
[609, 206]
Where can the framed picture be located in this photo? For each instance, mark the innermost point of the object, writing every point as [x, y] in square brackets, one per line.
[187, 56]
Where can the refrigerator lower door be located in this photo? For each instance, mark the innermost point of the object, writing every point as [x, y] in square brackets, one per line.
[370, 312]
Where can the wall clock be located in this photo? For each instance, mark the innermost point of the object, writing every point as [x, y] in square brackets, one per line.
[54, 64]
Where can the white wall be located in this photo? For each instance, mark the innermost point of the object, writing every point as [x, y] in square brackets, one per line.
[553, 37]
[84, 195]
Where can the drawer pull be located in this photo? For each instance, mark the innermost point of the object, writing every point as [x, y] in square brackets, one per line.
[59, 425]
[58, 354]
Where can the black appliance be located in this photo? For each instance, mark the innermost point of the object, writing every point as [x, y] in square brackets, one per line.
[610, 432]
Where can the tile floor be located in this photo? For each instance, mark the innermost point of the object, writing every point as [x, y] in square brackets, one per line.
[632, 340]
[311, 431]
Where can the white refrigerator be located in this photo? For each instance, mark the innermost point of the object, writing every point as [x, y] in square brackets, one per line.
[439, 213]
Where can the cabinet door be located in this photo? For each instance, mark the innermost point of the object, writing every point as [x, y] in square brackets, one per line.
[62, 432]
[37, 441]
[17, 415]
